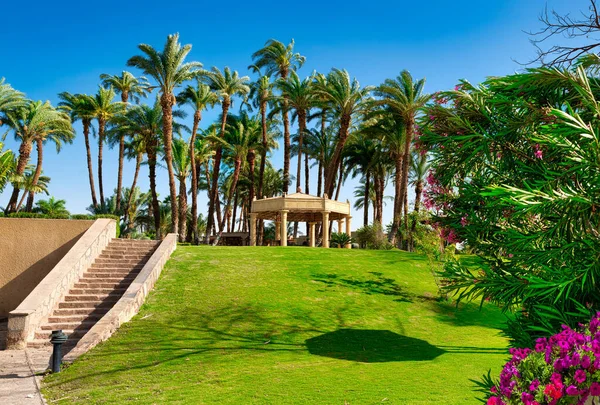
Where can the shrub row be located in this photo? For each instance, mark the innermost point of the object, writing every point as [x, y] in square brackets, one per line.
[59, 216]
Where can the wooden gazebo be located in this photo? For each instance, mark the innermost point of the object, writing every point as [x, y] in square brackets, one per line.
[300, 207]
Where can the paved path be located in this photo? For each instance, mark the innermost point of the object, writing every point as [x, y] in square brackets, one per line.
[18, 384]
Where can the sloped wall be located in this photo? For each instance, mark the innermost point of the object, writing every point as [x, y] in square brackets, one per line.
[29, 249]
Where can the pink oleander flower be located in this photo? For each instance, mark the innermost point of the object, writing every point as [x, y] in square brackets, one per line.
[537, 152]
[464, 222]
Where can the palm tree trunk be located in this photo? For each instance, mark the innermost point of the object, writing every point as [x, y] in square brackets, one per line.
[406, 160]
[306, 181]
[418, 193]
[251, 163]
[182, 209]
[263, 152]
[212, 205]
[194, 225]
[398, 198]
[138, 163]
[86, 135]
[286, 148]
[337, 155]
[151, 152]
[166, 102]
[301, 129]
[409, 236]
[24, 153]
[320, 178]
[340, 181]
[232, 189]
[235, 205]
[366, 198]
[101, 129]
[120, 172]
[39, 143]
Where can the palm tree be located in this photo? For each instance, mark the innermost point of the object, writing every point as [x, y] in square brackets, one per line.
[146, 122]
[403, 97]
[418, 172]
[10, 99]
[35, 122]
[360, 152]
[26, 183]
[104, 109]
[226, 85]
[238, 140]
[299, 95]
[261, 93]
[79, 108]
[346, 99]
[134, 149]
[52, 207]
[278, 60]
[170, 70]
[199, 97]
[132, 87]
[182, 164]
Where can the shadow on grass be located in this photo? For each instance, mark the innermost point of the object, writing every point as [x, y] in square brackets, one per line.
[377, 284]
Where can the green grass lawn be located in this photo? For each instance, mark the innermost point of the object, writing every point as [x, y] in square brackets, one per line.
[290, 326]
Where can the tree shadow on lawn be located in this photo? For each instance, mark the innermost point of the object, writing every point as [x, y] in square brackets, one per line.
[251, 330]
[377, 284]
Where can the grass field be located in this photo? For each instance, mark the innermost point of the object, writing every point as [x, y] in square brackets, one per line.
[290, 326]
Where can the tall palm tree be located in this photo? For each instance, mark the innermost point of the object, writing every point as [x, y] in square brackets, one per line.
[346, 99]
[279, 60]
[10, 99]
[226, 85]
[170, 70]
[182, 165]
[26, 183]
[360, 152]
[403, 97]
[146, 122]
[52, 207]
[299, 95]
[104, 109]
[134, 149]
[35, 122]
[261, 93]
[238, 140]
[130, 87]
[79, 108]
[418, 172]
[199, 97]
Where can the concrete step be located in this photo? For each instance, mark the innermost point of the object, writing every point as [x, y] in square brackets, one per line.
[68, 325]
[86, 304]
[105, 276]
[96, 283]
[84, 291]
[108, 268]
[112, 297]
[118, 262]
[72, 334]
[75, 318]
[77, 312]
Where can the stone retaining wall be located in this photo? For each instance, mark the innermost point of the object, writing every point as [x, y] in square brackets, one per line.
[25, 319]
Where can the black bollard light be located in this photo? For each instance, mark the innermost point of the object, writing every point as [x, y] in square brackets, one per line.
[57, 338]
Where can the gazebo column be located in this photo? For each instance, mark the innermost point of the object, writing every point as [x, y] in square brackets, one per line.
[348, 230]
[311, 234]
[325, 229]
[284, 235]
[340, 227]
[277, 230]
[252, 229]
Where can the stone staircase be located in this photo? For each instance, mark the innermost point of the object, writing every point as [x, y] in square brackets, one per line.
[97, 291]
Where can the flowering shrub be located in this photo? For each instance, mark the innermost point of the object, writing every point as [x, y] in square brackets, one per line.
[515, 174]
[562, 369]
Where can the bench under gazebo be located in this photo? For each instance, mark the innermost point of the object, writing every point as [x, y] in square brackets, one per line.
[300, 207]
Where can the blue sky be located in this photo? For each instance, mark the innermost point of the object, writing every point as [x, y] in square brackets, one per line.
[50, 48]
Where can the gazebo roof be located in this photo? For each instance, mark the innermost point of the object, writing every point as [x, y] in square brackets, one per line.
[301, 207]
